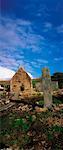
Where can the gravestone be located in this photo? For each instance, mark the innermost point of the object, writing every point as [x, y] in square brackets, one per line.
[46, 87]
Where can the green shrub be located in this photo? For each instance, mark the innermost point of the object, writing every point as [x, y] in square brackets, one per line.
[57, 101]
[21, 123]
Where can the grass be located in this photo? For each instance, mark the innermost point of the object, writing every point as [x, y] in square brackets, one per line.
[57, 101]
[17, 125]
[57, 128]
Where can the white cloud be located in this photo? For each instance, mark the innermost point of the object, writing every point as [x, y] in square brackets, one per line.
[6, 73]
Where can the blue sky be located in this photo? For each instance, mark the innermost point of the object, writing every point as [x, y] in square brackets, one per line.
[31, 35]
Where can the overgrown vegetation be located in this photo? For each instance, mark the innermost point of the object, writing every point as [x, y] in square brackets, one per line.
[57, 101]
[27, 129]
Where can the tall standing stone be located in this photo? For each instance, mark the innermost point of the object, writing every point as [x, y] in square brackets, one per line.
[46, 86]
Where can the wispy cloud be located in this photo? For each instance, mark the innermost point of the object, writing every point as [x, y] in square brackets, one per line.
[16, 37]
[60, 29]
[14, 63]
[19, 41]
[58, 59]
[48, 25]
[14, 33]
[40, 61]
[43, 10]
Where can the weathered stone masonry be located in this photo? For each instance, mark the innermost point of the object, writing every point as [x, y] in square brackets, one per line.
[20, 82]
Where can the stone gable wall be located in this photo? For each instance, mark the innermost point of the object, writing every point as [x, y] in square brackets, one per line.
[19, 79]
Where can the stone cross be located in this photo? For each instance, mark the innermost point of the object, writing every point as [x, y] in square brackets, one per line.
[46, 86]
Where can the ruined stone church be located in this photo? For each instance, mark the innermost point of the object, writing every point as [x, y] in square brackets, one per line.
[20, 82]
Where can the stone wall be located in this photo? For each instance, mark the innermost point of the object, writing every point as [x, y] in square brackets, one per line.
[20, 82]
[54, 85]
[38, 87]
[4, 82]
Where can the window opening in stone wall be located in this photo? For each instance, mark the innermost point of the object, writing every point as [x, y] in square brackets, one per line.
[22, 87]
